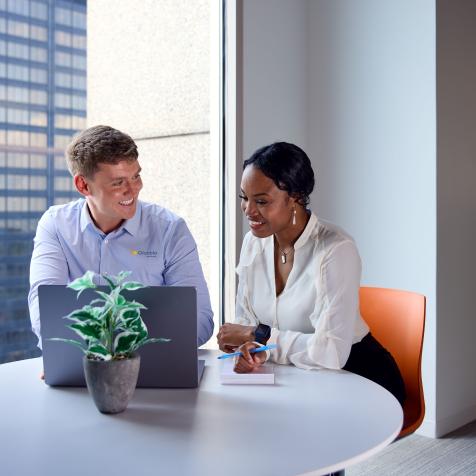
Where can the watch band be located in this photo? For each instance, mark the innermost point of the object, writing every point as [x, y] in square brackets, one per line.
[262, 333]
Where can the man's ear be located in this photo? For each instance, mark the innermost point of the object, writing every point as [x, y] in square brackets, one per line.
[81, 185]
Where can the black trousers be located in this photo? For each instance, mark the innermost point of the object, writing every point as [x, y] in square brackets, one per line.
[371, 360]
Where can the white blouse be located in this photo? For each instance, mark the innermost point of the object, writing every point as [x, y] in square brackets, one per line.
[316, 319]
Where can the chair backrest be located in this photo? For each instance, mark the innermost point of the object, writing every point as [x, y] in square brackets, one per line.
[397, 320]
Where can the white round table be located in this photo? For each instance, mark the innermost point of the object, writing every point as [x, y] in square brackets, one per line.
[309, 422]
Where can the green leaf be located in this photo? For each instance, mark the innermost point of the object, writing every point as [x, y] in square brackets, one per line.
[154, 340]
[70, 341]
[87, 331]
[110, 281]
[106, 297]
[97, 350]
[132, 286]
[85, 315]
[123, 275]
[124, 342]
[83, 283]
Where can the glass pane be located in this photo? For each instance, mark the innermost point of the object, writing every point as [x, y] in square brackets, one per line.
[31, 68]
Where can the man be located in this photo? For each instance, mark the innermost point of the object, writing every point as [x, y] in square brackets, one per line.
[110, 230]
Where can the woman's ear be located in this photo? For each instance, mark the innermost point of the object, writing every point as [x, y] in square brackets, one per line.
[81, 185]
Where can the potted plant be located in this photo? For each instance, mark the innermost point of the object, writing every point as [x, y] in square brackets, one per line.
[112, 330]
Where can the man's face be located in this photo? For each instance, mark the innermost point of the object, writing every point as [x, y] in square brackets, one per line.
[112, 193]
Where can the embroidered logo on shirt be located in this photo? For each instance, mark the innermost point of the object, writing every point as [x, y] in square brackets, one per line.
[148, 254]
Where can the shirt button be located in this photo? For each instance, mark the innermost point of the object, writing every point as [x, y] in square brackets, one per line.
[106, 241]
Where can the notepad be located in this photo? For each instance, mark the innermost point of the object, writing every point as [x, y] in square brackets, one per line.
[261, 375]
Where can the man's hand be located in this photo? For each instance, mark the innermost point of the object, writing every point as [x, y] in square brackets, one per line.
[248, 362]
[230, 336]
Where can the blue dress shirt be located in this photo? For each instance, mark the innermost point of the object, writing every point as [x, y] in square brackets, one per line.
[156, 245]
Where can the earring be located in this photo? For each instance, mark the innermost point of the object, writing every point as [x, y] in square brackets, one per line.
[294, 216]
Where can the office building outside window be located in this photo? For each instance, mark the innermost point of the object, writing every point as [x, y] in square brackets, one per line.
[42, 105]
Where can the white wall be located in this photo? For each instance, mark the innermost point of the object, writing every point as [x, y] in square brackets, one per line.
[275, 79]
[373, 143]
[456, 100]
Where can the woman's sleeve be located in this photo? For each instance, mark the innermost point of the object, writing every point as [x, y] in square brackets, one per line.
[334, 319]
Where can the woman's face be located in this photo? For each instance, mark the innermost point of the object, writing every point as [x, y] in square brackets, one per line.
[268, 209]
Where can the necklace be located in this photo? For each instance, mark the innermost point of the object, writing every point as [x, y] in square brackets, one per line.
[284, 254]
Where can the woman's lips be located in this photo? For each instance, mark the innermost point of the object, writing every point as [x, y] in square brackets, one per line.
[255, 224]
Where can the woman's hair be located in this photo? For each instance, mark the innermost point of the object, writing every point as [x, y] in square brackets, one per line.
[288, 166]
[97, 145]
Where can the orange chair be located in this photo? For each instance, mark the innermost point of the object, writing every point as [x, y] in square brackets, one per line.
[397, 320]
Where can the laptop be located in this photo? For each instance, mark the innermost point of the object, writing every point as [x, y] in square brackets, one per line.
[171, 313]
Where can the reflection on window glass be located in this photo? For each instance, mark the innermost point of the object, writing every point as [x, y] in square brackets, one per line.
[79, 123]
[38, 97]
[17, 204]
[18, 50]
[37, 182]
[79, 82]
[18, 116]
[37, 204]
[38, 161]
[18, 72]
[63, 59]
[79, 20]
[79, 41]
[18, 182]
[30, 68]
[62, 141]
[63, 79]
[16, 28]
[63, 183]
[38, 75]
[20, 7]
[63, 38]
[38, 33]
[39, 10]
[18, 160]
[63, 121]
[63, 16]
[79, 62]
[63, 100]
[39, 54]
[79, 102]
[38, 118]
[20, 138]
[38, 139]
[60, 163]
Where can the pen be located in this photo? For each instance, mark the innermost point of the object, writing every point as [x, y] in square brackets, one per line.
[252, 351]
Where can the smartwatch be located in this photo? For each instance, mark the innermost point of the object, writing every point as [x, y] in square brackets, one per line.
[262, 333]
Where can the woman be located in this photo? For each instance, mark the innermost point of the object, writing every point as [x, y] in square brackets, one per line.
[299, 279]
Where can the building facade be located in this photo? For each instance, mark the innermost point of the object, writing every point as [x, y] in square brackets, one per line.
[42, 104]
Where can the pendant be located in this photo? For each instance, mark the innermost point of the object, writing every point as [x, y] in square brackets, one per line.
[283, 258]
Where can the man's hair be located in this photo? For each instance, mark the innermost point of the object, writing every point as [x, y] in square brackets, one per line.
[98, 145]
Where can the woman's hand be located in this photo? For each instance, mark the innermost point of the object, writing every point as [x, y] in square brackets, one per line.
[248, 362]
[230, 336]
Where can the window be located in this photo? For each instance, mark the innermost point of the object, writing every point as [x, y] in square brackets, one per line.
[63, 38]
[39, 10]
[38, 33]
[16, 28]
[63, 16]
[18, 50]
[63, 59]
[38, 76]
[39, 54]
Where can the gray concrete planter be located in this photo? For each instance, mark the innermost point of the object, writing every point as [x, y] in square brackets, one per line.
[111, 383]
